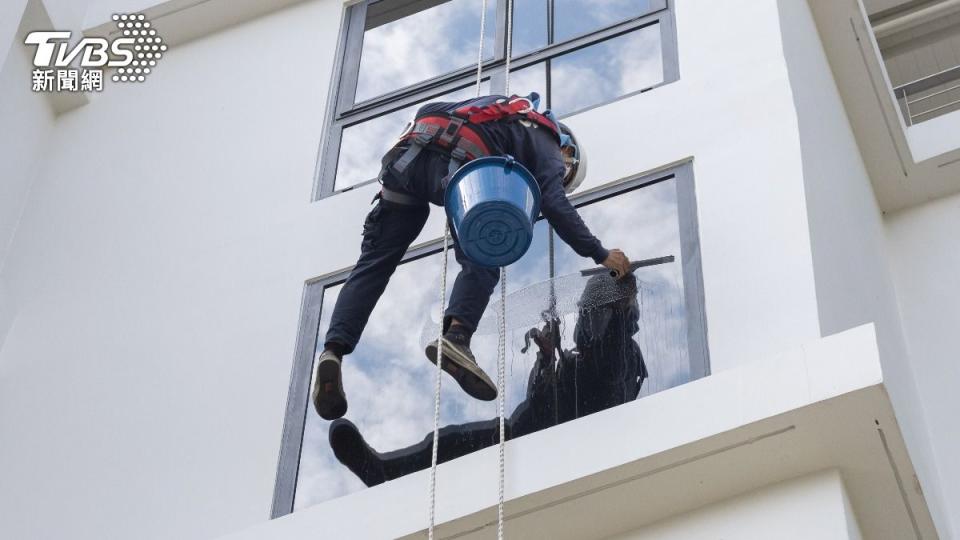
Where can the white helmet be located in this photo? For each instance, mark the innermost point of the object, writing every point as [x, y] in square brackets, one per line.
[574, 159]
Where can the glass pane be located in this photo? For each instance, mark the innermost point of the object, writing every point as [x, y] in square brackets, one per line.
[644, 224]
[389, 383]
[530, 79]
[607, 70]
[362, 145]
[529, 26]
[423, 45]
[576, 17]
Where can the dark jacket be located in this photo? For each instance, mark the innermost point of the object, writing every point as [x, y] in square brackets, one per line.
[534, 147]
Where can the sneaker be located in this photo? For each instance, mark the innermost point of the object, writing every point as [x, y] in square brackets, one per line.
[328, 396]
[460, 363]
[350, 449]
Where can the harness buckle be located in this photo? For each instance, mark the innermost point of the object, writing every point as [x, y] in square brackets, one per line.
[422, 138]
[457, 157]
[407, 130]
[453, 127]
[419, 142]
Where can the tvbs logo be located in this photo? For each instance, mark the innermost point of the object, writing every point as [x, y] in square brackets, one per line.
[63, 67]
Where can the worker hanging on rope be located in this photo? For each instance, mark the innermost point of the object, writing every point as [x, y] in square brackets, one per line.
[414, 174]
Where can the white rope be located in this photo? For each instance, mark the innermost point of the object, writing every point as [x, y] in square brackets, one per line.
[501, 395]
[502, 345]
[502, 342]
[506, 74]
[443, 303]
[436, 389]
[483, 23]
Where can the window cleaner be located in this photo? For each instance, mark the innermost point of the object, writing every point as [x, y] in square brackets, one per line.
[387, 238]
[414, 174]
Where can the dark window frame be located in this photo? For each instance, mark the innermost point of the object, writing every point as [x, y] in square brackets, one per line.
[298, 402]
[342, 112]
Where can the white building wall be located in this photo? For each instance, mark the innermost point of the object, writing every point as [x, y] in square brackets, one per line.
[925, 256]
[158, 268]
[157, 273]
[851, 264]
[27, 125]
[732, 112]
[814, 506]
[11, 12]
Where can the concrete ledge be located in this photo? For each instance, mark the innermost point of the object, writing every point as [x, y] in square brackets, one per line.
[818, 407]
[180, 21]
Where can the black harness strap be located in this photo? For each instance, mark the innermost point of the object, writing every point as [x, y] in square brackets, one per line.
[452, 132]
[419, 142]
[390, 195]
[457, 158]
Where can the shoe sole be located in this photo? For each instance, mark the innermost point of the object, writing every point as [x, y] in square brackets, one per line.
[328, 397]
[468, 375]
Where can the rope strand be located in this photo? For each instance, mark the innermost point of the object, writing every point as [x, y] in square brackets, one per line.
[483, 24]
[443, 303]
[436, 389]
[506, 74]
[502, 345]
[501, 396]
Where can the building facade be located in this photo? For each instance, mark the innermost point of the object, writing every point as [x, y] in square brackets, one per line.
[170, 251]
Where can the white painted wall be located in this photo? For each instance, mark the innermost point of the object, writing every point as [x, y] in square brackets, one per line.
[159, 265]
[758, 274]
[67, 14]
[157, 273]
[814, 506]
[101, 11]
[854, 284]
[925, 258]
[28, 123]
[11, 11]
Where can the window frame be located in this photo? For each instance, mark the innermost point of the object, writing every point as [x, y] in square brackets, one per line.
[342, 112]
[298, 402]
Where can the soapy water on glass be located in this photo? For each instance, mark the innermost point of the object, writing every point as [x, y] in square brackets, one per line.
[662, 333]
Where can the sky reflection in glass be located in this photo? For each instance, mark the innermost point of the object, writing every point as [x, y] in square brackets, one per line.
[581, 79]
[573, 18]
[423, 45]
[529, 26]
[362, 145]
[389, 383]
[607, 70]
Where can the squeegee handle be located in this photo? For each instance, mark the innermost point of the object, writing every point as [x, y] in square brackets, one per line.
[633, 266]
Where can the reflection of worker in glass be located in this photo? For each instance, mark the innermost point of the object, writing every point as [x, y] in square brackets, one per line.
[444, 136]
[605, 369]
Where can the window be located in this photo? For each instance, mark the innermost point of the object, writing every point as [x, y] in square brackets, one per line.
[399, 54]
[389, 382]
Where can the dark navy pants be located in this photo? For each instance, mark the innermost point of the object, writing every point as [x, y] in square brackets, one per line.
[388, 231]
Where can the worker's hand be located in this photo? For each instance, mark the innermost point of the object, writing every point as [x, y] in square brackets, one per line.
[543, 338]
[546, 338]
[618, 263]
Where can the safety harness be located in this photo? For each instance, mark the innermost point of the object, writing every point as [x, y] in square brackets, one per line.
[455, 134]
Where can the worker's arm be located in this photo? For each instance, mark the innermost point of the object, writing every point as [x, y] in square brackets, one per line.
[559, 212]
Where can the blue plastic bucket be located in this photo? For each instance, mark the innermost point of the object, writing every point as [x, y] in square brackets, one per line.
[492, 203]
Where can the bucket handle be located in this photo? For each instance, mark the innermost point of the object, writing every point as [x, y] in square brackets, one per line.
[509, 163]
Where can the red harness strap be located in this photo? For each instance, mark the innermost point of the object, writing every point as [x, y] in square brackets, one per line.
[454, 133]
[517, 106]
[436, 126]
